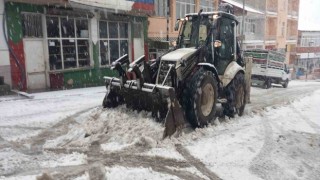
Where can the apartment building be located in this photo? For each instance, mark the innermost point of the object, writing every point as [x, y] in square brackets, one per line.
[281, 31]
[162, 22]
[270, 24]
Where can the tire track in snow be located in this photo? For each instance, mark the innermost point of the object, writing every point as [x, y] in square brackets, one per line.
[36, 142]
[58, 129]
[196, 163]
[127, 159]
[97, 161]
[313, 125]
[262, 163]
[279, 96]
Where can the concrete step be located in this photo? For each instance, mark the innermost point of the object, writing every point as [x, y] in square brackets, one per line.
[4, 90]
[1, 80]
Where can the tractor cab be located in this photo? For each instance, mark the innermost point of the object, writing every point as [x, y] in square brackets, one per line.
[213, 32]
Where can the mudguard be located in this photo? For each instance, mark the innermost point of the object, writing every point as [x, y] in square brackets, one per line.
[232, 69]
[211, 68]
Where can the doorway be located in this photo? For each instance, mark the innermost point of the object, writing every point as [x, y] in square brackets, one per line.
[35, 64]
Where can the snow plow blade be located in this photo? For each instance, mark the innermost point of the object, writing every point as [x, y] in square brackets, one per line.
[138, 94]
[160, 100]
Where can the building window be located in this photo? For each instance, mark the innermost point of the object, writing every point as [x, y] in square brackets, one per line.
[206, 5]
[250, 26]
[310, 40]
[161, 7]
[68, 42]
[32, 25]
[114, 41]
[184, 7]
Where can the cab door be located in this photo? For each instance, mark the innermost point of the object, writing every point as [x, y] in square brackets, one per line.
[225, 53]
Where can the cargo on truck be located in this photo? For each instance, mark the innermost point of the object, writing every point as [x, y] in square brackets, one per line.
[268, 67]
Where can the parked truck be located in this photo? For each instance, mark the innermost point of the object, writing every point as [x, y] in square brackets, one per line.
[268, 67]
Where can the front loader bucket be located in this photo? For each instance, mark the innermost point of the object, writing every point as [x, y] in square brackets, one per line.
[174, 120]
[160, 100]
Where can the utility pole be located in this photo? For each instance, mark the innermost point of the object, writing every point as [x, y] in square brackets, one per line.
[168, 15]
[307, 69]
[242, 29]
[216, 4]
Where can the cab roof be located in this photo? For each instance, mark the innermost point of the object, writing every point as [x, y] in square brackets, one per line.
[219, 13]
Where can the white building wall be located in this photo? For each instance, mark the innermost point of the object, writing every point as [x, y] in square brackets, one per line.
[4, 52]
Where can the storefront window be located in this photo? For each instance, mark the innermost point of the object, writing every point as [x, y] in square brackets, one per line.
[55, 58]
[82, 28]
[67, 27]
[123, 30]
[53, 27]
[69, 53]
[114, 39]
[68, 42]
[113, 30]
[32, 26]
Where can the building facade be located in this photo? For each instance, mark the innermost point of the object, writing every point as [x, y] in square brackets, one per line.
[270, 24]
[161, 23]
[308, 54]
[5, 70]
[71, 43]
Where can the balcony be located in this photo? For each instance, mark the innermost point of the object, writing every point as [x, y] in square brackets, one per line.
[293, 15]
[271, 37]
[272, 9]
[292, 37]
[272, 6]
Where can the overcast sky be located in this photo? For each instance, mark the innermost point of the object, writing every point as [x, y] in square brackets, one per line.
[309, 16]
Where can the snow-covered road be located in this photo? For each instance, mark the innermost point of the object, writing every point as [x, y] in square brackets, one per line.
[67, 135]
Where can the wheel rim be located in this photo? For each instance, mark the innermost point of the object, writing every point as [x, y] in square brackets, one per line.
[207, 99]
[240, 98]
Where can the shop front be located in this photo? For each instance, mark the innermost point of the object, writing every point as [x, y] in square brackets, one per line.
[57, 47]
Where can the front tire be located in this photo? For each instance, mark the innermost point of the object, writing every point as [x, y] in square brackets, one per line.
[267, 84]
[200, 98]
[285, 85]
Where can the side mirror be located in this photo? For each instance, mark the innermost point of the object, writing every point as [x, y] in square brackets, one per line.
[176, 26]
[217, 44]
[174, 43]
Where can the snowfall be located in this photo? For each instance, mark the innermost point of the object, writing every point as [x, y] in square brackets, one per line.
[68, 135]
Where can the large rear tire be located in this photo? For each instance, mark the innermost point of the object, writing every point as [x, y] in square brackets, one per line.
[240, 94]
[236, 96]
[200, 98]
